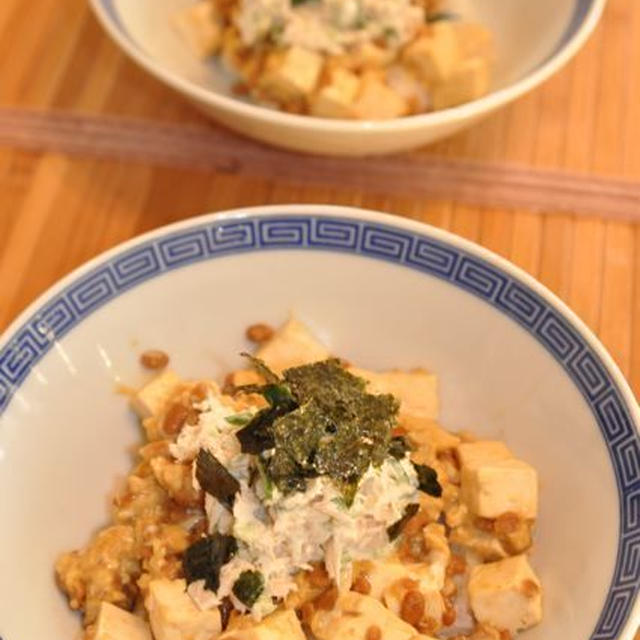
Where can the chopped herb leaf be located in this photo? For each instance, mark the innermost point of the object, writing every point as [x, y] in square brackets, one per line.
[266, 480]
[396, 528]
[215, 479]
[248, 587]
[428, 480]
[398, 447]
[277, 395]
[442, 15]
[204, 559]
[240, 419]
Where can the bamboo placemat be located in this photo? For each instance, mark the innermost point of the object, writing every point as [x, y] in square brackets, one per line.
[93, 151]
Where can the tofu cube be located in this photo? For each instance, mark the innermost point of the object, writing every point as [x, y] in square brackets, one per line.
[174, 616]
[505, 486]
[353, 615]
[290, 75]
[468, 82]
[151, 399]
[406, 84]
[473, 39]
[371, 55]
[277, 626]
[435, 55]
[382, 573]
[201, 27]
[377, 101]
[335, 100]
[292, 345]
[426, 432]
[416, 390]
[474, 453]
[115, 623]
[506, 594]
[483, 544]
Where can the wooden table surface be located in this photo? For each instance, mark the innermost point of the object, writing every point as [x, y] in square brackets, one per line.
[92, 152]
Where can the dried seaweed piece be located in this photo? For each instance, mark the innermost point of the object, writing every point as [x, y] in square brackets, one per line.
[225, 608]
[214, 478]
[257, 436]
[204, 559]
[320, 421]
[248, 587]
[428, 480]
[396, 528]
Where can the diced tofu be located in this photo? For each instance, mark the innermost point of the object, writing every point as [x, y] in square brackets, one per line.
[506, 594]
[472, 454]
[115, 623]
[505, 486]
[468, 82]
[382, 573]
[416, 390]
[353, 615]
[292, 345]
[425, 432]
[243, 377]
[277, 626]
[151, 399]
[435, 55]
[174, 616]
[200, 26]
[291, 75]
[335, 100]
[473, 39]
[376, 101]
[371, 55]
[406, 84]
[484, 545]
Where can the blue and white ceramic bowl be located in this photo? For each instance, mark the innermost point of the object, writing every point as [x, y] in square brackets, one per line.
[514, 363]
[534, 39]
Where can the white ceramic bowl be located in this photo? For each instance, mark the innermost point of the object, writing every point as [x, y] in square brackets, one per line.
[514, 363]
[534, 39]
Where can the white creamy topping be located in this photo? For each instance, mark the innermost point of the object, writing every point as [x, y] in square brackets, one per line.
[280, 534]
[329, 25]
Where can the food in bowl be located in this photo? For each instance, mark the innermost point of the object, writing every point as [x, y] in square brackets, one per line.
[347, 59]
[308, 498]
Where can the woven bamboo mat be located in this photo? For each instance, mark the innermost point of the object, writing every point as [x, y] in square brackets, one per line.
[92, 152]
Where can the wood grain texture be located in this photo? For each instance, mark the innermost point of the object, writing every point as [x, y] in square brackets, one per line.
[61, 206]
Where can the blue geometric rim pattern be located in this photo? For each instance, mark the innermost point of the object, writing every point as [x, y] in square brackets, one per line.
[218, 238]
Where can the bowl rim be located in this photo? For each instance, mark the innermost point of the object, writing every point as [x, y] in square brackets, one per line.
[284, 225]
[587, 13]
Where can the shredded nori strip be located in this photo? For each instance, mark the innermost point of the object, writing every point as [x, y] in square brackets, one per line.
[428, 480]
[396, 528]
[260, 366]
[204, 559]
[257, 436]
[214, 478]
[248, 587]
[225, 608]
[398, 447]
